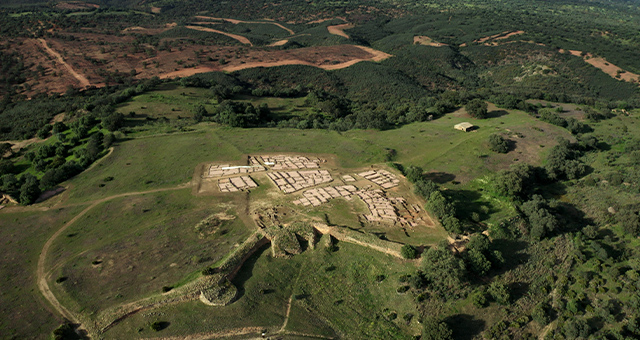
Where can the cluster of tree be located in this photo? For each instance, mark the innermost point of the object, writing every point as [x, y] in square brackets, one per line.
[563, 160]
[571, 124]
[51, 160]
[477, 108]
[240, 114]
[437, 204]
[447, 275]
[11, 70]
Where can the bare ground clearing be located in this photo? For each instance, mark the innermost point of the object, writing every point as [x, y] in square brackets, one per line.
[88, 62]
[235, 21]
[234, 36]
[339, 29]
[606, 67]
[424, 40]
[312, 56]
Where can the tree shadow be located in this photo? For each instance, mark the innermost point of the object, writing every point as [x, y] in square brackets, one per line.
[465, 326]
[246, 271]
[518, 290]
[511, 145]
[50, 193]
[572, 217]
[512, 252]
[160, 325]
[497, 113]
[439, 177]
[469, 203]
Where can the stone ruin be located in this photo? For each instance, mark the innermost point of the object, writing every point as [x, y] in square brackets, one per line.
[383, 178]
[281, 162]
[293, 181]
[230, 170]
[316, 197]
[234, 184]
[389, 209]
[348, 178]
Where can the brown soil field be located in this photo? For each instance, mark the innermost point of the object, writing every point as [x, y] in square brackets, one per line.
[54, 78]
[90, 59]
[235, 21]
[319, 21]
[76, 5]
[312, 56]
[607, 67]
[156, 10]
[424, 40]
[339, 29]
[234, 36]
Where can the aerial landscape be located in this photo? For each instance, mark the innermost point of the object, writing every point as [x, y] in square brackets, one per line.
[463, 169]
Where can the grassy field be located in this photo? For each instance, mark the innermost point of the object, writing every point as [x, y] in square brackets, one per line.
[281, 108]
[24, 314]
[168, 101]
[129, 248]
[169, 160]
[336, 294]
[172, 101]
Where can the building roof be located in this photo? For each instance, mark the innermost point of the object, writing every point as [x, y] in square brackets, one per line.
[463, 126]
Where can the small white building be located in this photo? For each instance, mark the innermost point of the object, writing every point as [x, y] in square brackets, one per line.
[464, 126]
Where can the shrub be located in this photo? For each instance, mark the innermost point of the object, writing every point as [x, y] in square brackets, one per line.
[540, 314]
[479, 299]
[500, 293]
[498, 143]
[409, 252]
[436, 330]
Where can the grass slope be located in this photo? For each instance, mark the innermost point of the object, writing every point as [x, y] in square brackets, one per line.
[23, 312]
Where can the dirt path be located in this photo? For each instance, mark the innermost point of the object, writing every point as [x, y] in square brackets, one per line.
[235, 22]
[375, 56]
[509, 35]
[234, 36]
[547, 329]
[16, 145]
[41, 278]
[216, 335]
[82, 79]
[339, 29]
[286, 316]
[94, 164]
